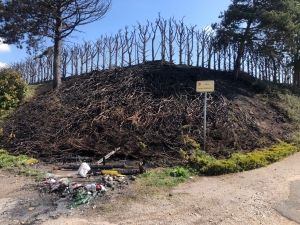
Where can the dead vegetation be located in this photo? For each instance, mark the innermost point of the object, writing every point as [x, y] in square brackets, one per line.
[146, 110]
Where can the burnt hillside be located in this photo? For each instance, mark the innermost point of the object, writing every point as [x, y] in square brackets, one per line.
[146, 110]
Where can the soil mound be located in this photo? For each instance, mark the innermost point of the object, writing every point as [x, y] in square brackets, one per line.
[147, 110]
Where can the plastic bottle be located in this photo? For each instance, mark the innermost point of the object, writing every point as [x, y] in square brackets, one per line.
[81, 201]
[100, 188]
[77, 186]
[52, 181]
[91, 187]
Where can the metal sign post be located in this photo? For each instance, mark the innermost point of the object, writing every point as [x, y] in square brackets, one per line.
[205, 86]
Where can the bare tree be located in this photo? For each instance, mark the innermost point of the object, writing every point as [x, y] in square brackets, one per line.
[162, 26]
[181, 37]
[170, 39]
[210, 50]
[189, 43]
[65, 61]
[129, 42]
[92, 55]
[123, 45]
[103, 51]
[203, 37]
[144, 37]
[153, 28]
[82, 54]
[117, 47]
[111, 44]
[99, 48]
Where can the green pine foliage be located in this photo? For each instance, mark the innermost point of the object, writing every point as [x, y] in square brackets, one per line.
[12, 88]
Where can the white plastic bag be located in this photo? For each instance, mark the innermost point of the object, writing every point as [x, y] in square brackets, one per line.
[84, 169]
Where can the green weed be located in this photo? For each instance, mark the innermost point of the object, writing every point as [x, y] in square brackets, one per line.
[21, 164]
[164, 177]
[39, 176]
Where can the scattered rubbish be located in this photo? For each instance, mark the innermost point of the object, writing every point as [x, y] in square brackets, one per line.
[108, 184]
[49, 175]
[80, 201]
[100, 188]
[64, 181]
[52, 181]
[54, 187]
[91, 187]
[112, 173]
[84, 169]
[91, 183]
[99, 168]
[128, 171]
[77, 186]
[108, 155]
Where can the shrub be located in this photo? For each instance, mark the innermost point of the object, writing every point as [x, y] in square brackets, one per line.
[208, 165]
[12, 88]
[180, 172]
[219, 167]
[249, 161]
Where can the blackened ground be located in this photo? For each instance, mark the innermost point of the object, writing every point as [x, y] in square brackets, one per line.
[147, 110]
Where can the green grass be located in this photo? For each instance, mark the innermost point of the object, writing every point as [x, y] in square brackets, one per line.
[8, 161]
[30, 91]
[165, 177]
[38, 176]
[20, 163]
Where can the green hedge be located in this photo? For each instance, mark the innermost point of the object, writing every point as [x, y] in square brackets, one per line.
[208, 165]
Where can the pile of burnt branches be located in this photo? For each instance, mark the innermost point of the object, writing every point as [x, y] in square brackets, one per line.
[146, 110]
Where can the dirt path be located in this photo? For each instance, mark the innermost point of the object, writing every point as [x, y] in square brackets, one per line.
[264, 196]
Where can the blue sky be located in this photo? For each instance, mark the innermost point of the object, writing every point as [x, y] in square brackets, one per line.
[128, 12]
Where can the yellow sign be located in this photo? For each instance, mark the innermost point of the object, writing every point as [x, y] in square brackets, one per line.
[205, 86]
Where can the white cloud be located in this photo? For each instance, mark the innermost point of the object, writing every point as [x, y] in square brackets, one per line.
[4, 47]
[3, 65]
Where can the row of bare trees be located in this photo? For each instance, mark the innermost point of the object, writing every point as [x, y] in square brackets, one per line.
[166, 40]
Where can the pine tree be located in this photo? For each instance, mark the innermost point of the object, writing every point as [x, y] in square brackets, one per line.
[30, 21]
[266, 27]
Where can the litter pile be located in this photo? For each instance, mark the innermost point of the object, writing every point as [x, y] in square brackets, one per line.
[76, 192]
[89, 183]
